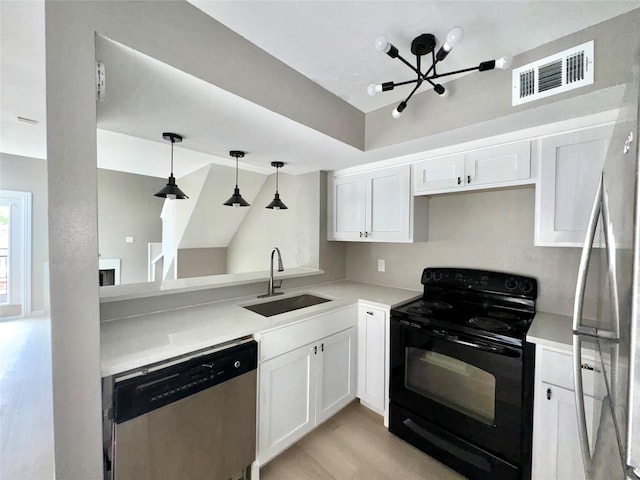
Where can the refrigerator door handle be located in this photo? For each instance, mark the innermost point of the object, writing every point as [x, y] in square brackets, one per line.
[580, 411]
[609, 242]
[584, 265]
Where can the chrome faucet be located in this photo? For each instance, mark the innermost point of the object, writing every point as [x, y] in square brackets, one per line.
[272, 282]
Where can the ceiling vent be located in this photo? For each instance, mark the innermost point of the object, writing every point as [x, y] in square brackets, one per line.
[557, 73]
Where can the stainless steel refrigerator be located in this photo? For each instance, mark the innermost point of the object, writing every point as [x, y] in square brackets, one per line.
[609, 285]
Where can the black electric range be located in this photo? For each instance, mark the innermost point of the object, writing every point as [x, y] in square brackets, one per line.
[461, 372]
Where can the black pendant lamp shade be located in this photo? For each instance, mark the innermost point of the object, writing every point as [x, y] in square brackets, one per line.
[171, 190]
[277, 204]
[236, 199]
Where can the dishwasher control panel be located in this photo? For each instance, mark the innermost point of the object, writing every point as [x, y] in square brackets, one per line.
[141, 394]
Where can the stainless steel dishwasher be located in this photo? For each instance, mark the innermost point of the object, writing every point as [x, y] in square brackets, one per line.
[190, 420]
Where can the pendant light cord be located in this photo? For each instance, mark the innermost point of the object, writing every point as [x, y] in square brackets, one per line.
[236, 172]
[172, 142]
[277, 169]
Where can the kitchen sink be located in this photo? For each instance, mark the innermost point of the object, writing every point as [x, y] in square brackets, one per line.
[284, 305]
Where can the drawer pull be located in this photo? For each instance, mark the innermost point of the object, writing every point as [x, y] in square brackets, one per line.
[548, 394]
[315, 350]
[459, 180]
[586, 366]
[468, 178]
[322, 347]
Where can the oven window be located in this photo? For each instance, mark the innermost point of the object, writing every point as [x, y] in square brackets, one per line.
[451, 382]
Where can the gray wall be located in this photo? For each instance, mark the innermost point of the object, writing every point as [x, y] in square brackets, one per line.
[198, 262]
[490, 230]
[127, 208]
[294, 231]
[26, 174]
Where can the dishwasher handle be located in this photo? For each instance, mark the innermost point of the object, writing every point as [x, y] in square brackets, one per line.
[138, 395]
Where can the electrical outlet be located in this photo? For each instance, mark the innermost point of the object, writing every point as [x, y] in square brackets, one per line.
[128, 239]
[381, 265]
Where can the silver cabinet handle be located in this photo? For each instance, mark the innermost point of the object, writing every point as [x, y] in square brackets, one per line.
[584, 263]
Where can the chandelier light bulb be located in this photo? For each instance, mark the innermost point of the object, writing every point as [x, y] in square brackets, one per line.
[382, 44]
[397, 112]
[504, 62]
[454, 37]
[374, 88]
[171, 196]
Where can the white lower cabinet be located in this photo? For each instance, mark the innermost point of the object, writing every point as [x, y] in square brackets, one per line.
[372, 359]
[556, 445]
[557, 442]
[287, 401]
[305, 385]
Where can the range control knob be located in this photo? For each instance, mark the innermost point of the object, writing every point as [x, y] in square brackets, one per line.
[511, 284]
[437, 276]
[428, 275]
[525, 286]
[236, 364]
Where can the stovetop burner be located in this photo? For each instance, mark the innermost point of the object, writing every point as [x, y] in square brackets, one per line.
[437, 304]
[489, 324]
[419, 310]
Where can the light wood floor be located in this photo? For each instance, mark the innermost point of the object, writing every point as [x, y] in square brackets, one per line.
[354, 445]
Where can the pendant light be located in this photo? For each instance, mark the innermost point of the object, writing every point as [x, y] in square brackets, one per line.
[236, 199]
[277, 204]
[171, 190]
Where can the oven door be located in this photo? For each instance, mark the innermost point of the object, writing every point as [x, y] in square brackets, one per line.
[472, 389]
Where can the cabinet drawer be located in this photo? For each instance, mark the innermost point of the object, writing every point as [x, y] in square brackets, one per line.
[557, 369]
[289, 337]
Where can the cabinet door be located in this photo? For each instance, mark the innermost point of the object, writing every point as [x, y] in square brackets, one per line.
[556, 450]
[347, 207]
[439, 173]
[371, 357]
[504, 163]
[570, 169]
[287, 401]
[388, 204]
[336, 373]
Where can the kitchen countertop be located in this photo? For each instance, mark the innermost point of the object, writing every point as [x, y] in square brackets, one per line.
[551, 330]
[132, 342]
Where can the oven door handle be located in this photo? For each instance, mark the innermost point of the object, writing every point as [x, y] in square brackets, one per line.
[486, 348]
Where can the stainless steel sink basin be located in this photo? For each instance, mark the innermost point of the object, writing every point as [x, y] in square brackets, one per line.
[283, 305]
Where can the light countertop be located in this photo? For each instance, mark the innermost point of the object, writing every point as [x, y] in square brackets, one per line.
[132, 342]
[551, 330]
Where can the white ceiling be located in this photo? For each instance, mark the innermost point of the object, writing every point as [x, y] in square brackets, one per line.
[330, 42]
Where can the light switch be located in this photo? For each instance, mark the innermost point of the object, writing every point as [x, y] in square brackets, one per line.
[381, 265]
[128, 239]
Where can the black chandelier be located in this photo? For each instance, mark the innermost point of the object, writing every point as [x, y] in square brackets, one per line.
[423, 45]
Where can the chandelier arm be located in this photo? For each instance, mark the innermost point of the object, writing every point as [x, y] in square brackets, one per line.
[399, 57]
[413, 91]
[471, 69]
[407, 82]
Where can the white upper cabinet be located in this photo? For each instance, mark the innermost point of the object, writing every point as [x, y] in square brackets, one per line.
[374, 206]
[504, 163]
[570, 168]
[499, 166]
[439, 173]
